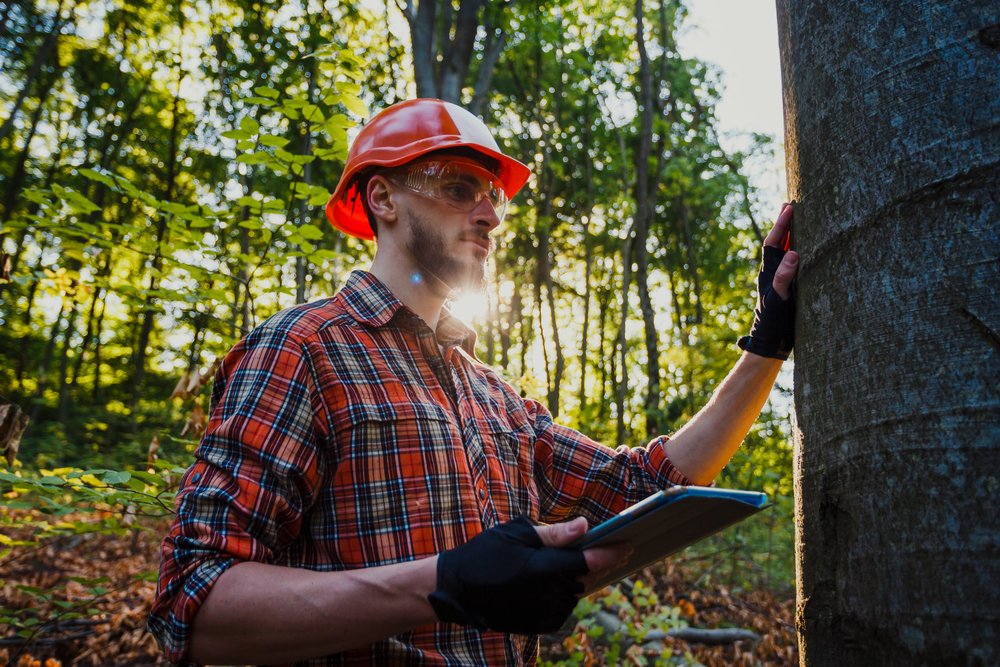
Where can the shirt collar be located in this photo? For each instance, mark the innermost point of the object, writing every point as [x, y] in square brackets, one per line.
[369, 301]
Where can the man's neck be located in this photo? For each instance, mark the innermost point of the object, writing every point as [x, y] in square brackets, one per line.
[420, 292]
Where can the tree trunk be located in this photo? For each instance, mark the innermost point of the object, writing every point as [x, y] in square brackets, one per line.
[642, 220]
[149, 315]
[622, 386]
[587, 260]
[893, 151]
[17, 180]
[40, 59]
[300, 262]
[43, 372]
[603, 300]
[64, 365]
[441, 59]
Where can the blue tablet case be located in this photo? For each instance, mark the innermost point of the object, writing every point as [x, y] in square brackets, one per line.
[668, 521]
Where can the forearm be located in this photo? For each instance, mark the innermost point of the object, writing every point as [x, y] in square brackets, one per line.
[266, 614]
[706, 443]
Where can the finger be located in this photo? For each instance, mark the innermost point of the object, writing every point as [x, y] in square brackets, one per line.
[561, 534]
[594, 576]
[776, 236]
[601, 558]
[785, 273]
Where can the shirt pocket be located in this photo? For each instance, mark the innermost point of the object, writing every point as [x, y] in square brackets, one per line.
[511, 454]
[400, 488]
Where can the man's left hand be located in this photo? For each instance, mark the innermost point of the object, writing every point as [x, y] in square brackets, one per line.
[773, 332]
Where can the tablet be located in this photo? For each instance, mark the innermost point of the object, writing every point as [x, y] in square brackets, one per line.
[668, 521]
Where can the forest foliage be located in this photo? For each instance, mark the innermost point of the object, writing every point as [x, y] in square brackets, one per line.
[163, 167]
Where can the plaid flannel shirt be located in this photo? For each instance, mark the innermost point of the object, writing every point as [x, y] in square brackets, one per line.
[343, 438]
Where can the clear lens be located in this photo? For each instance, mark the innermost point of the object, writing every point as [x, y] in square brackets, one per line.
[460, 184]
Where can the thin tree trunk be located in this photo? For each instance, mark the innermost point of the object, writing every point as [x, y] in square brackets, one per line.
[491, 54]
[692, 257]
[17, 179]
[541, 335]
[300, 262]
[892, 136]
[642, 223]
[516, 320]
[64, 365]
[603, 301]
[149, 315]
[40, 59]
[587, 255]
[422, 31]
[97, 394]
[623, 384]
[43, 372]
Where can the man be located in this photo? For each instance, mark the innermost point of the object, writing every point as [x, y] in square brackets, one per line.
[358, 490]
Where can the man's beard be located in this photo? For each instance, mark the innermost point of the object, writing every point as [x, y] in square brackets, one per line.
[427, 248]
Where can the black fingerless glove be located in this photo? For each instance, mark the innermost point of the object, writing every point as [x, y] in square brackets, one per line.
[505, 580]
[773, 331]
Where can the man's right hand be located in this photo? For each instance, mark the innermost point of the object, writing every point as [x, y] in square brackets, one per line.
[515, 578]
[600, 561]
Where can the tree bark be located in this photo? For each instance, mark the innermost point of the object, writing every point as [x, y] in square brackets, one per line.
[892, 135]
[642, 220]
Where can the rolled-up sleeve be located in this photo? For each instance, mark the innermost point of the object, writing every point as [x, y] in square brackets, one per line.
[256, 472]
[576, 476]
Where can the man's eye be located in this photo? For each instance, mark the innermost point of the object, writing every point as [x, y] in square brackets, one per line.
[459, 191]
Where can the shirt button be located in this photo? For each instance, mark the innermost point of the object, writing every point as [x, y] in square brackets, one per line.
[195, 477]
[482, 494]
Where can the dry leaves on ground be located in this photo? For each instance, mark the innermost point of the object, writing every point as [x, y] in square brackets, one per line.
[117, 637]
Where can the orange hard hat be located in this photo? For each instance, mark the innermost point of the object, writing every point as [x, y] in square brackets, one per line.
[406, 131]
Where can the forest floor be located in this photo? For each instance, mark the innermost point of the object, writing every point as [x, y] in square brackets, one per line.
[111, 628]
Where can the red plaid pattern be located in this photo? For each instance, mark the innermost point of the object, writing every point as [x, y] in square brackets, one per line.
[342, 438]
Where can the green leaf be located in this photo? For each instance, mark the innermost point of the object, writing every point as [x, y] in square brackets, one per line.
[348, 87]
[339, 120]
[136, 485]
[245, 145]
[311, 232]
[354, 105]
[263, 101]
[269, 140]
[97, 176]
[55, 481]
[148, 477]
[318, 196]
[147, 576]
[239, 135]
[252, 224]
[248, 124]
[312, 114]
[116, 477]
[266, 91]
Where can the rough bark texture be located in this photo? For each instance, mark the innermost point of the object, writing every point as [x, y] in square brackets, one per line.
[892, 115]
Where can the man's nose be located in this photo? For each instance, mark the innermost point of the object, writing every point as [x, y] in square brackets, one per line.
[486, 215]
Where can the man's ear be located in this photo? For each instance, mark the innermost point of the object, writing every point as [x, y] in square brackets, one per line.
[380, 201]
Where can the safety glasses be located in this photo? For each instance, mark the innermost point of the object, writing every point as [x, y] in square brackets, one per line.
[462, 184]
